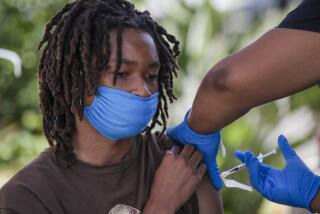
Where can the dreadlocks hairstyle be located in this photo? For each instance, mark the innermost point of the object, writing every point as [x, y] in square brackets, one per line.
[67, 72]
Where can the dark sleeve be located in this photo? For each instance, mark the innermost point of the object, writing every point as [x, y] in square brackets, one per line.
[305, 17]
[17, 199]
[163, 142]
[7, 211]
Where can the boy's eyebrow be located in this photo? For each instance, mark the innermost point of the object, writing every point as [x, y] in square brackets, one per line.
[128, 61]
[154, 64]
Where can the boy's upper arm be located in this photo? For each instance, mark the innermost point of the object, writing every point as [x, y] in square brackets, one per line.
[209, 199]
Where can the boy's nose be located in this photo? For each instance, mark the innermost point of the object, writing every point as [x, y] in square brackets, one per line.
[142, 89]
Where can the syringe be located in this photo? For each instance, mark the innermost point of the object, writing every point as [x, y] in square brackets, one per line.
[237, 168]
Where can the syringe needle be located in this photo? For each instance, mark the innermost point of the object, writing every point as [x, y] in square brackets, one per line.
[240, 166]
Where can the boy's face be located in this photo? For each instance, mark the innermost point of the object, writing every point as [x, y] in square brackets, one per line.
[140, 64]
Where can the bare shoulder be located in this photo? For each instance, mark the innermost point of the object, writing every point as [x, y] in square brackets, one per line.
[209, 199]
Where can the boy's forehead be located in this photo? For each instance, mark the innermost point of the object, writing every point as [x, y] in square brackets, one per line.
[132, 37]
[135, 44]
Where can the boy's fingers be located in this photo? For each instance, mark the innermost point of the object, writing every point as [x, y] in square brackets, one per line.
[174, 150]
[187, 151]
[201, 170]
[196, 159]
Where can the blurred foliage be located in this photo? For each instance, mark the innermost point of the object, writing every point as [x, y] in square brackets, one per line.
[206, 36]
[22, 25]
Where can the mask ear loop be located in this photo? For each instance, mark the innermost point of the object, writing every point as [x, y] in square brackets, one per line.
[146, 88]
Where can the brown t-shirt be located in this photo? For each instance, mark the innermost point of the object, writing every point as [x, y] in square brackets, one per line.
[43, 186]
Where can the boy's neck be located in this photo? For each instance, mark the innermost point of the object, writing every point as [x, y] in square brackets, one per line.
[92, 148]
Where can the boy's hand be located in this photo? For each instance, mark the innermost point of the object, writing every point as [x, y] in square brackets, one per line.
[177, 177]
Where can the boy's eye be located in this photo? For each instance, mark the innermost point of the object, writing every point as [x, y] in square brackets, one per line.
[153, 77]
[122, 74]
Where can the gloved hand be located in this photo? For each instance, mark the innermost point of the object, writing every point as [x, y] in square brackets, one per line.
[208, 145]
[295, 185]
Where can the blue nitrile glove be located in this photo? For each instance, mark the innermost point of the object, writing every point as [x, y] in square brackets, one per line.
[295, 185]
[208, 145]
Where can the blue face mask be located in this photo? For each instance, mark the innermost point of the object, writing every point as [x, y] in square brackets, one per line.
[117, 114]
